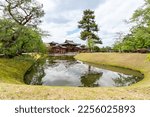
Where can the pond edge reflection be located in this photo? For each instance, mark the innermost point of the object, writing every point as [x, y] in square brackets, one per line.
[107, 67]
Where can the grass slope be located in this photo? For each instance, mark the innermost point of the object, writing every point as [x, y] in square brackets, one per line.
[11, 78]
[13, 70]
[135, 61]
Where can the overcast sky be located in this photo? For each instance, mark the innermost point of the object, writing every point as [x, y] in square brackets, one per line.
[62, 16]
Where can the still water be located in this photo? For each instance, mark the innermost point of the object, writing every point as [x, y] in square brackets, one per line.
[66, 71]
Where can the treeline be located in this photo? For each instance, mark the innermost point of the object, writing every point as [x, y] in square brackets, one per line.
[138, 39]
[102, 49]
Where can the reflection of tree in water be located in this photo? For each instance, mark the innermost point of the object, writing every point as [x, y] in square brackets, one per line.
[89, 68]
[126, 80]
[90, 78]
[35, 74]
[51, 63]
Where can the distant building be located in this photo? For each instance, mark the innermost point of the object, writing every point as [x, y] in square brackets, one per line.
[67, 46]
[52, 43]
[59, 49]
[70, 46]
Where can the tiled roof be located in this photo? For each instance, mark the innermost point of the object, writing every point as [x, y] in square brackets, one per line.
[53, 42]
[59, 46]
[69, 42]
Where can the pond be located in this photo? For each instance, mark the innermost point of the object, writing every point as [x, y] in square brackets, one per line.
[66, 71]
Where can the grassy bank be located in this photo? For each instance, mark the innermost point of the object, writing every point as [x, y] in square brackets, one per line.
[12, 70]
[139, 62]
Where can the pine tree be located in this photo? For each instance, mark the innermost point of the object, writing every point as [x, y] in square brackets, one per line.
[89, 28]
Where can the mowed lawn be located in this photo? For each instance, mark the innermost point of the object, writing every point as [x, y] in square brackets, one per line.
[12, 86]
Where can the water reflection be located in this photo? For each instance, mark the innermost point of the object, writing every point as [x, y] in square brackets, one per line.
[123, 80]
[66, 71]
[90, 79]
[35, 74]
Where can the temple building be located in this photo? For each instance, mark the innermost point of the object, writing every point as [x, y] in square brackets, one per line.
[70, 46]
[66, 47]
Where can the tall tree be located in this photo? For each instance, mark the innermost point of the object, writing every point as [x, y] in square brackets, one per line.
[19, 24]
[142, 15]
[139, 36]
[28, 39]
[141, 31]
[89, 28]
[23, 12]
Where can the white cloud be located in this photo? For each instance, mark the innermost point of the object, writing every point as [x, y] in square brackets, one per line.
[62, 17]
[110, 16]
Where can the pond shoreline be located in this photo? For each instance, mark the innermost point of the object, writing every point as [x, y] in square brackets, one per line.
[12, 90]
[110, 60]
[64, 70]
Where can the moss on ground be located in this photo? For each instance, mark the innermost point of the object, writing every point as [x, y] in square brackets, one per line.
[12, 76]
[13, 70]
